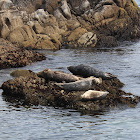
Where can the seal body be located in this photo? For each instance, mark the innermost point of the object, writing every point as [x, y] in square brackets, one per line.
[94, 95]
[81, 85]
[86, 71]
[58, 76]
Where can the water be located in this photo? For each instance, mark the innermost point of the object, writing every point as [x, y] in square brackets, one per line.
[48, 123]
[41, 123]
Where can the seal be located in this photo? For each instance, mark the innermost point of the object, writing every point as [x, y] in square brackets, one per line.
[94, 95]
[81, 85]
[87, 71]
[58, 76]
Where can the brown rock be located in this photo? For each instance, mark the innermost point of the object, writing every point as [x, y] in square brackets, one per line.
[76, 34]
[23, 36]
[11, 56]
[24, 73]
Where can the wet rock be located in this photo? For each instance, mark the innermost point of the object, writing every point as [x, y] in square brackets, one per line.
[24, 73]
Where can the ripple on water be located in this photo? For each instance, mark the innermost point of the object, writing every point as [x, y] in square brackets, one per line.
[41, 123]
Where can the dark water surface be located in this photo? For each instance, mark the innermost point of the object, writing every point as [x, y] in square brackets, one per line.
[47, 123]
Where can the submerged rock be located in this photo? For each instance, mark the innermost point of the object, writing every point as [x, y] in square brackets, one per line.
[38, 91]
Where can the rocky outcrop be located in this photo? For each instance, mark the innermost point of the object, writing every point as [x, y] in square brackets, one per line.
[45, 24]
[36, 90]
[11, 56]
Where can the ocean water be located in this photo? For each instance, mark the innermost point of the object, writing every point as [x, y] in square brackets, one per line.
[48, 123]
[43, 123]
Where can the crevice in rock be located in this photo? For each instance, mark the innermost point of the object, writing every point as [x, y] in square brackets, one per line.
[7, 22]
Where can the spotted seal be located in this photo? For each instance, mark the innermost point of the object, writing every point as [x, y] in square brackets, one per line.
[58, 76]
[81, 85]
[94, 95]
[86, 71]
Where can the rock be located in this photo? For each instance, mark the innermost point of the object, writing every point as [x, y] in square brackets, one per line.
[69, 23]
[65, 8]
[40, 15]
[72, 24]
[38, 28]
[88, 39]
[121, 3]
[11, 56]
[79, 6]
[5, 31]
[24, 73]
[76, 34]
[58, 14]
[5, 4]
[23, 36]
[51, 5]
[47, 42]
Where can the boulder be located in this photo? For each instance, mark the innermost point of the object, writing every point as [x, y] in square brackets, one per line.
[70, 23]
[40, 15]
[76, 34]
[5, 4]
[51, 5]
[23, 37]
[38, 28]
[24, 73]
[65, 9]
[11, 56]
[88, 39]
[79, 7]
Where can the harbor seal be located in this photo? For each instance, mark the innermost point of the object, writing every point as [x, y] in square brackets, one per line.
[94, 95]
[86, 71]
[58, 76]
[81, 85]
